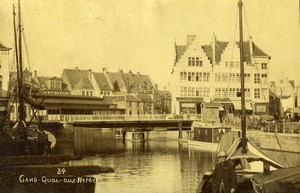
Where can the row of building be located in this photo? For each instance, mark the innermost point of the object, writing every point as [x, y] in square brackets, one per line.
[202, 73]
[85, 92]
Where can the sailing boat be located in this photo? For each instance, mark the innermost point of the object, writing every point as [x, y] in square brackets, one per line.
[246, 157]
[22, 138]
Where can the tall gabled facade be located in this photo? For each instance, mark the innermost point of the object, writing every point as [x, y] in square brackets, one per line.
[205, 73]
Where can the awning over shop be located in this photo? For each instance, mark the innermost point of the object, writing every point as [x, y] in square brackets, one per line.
[213, 105]
[237, 105]
[189, 100]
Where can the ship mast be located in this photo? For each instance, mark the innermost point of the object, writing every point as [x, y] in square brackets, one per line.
[243, 116]
[20, 70]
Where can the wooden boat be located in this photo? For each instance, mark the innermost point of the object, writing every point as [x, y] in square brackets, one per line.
[21, 137]
[250, 163]
[206, 136]
[26, 164]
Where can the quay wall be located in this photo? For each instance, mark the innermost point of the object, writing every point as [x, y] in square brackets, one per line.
[287, 142]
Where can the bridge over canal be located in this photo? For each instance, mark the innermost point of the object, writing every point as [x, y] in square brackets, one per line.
[132, 121]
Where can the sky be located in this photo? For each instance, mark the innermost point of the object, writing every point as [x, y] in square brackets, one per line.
[139, 35]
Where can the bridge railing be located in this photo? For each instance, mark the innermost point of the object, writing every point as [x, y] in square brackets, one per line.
[73, 118]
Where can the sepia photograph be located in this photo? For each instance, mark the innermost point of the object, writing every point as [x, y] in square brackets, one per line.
[143, 96]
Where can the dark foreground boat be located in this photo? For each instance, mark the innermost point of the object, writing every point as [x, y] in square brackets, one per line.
[256, 172]
[26, 163]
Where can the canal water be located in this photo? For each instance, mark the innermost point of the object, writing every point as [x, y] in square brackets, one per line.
[162, 165]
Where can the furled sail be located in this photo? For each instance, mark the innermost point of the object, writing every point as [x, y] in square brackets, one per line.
[32, 101]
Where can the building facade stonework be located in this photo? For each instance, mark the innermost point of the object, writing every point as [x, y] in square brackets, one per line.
[206, 73]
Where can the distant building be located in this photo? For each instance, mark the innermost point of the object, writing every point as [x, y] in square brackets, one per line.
[49, 85]
[285, 91]
[162, 102]
[211, 73]
[4, 63]
[125, 85]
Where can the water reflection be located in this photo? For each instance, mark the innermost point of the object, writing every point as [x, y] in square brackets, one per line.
[151, 166]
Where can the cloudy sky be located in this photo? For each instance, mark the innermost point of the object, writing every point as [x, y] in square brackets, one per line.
[139, 35]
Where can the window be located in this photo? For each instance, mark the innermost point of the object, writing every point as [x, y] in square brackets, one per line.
[189, 91]
[238, 78]
[231, 64]
[232, 92]
[264, 78]
[193, 76]
[206, 92]
[238, 92]
[189, 76]
[231, 77]
[130, 104]
[197, 77]
[224, 77]
[218, 92]
[181, 75]
[208, 77]
[256, 78]
[83, 93]
[198, 62]
[247, 92]
[225, 92]
[204, 77]
[260, 108]
[191, 61]
[200, 76]
[265, 93]
[181, 91]
[237, 64]
[184, 91]
[263, 66]
[199, 90]
[226, 64]
[218, 77]
[247, 78]
[256, 93]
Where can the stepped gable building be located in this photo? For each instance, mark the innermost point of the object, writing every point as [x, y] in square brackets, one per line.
[211, 73]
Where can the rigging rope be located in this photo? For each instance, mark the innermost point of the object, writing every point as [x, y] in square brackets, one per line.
[27, 55]
[280, 145]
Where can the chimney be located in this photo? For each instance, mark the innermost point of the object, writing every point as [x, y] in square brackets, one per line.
[76, 68]
[90, 74]
[138, 74]
[213, 49]
[104, 70]
[120, 71]
[250, 49]
[130, 72]
[190, 39]
[35, 74]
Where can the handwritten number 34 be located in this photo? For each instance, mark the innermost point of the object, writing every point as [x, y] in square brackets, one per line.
[61, 171]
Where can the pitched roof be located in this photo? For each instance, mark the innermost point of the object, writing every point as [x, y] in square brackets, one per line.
[257, 52]
[3, 48]
[220, 47]
[180, 49]
[42, 82]
[145, 98]
[129, 81]
[127, 98]
[102, 81]
[76, 75]
[83, 84]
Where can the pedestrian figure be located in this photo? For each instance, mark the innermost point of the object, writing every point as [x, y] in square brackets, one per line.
[224, 176]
